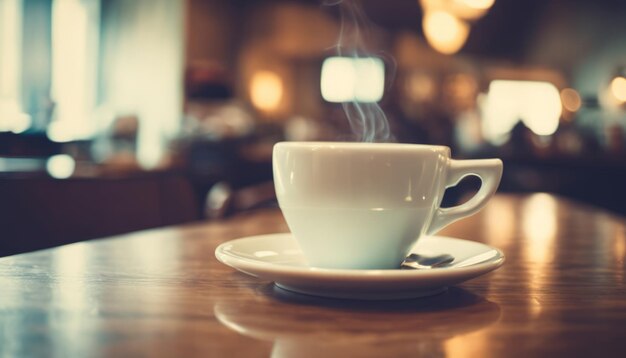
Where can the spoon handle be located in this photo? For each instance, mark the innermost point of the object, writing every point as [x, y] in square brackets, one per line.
[416, 261]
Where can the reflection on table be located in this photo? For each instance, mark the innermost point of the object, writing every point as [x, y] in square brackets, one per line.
[161, 292]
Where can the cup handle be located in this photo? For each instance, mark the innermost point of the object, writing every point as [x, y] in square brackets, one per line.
[488, 170]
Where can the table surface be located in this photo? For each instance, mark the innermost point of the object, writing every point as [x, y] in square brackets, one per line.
[162, 293]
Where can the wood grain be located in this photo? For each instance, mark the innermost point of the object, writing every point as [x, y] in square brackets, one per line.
[162, 293]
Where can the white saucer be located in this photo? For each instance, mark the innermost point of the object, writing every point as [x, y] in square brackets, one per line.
[277, 257]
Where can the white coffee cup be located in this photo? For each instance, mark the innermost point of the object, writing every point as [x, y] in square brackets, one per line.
[364, 205]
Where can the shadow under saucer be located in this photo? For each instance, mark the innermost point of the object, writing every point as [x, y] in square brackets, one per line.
[303, 326]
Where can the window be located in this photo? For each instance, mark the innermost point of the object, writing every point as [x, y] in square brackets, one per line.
[346, 79]
[537, 104]
[12, 117]
[75, 33]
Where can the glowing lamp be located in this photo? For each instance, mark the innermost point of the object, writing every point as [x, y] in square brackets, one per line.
[477, 4]
[571, 99]
[266, 91]
[618, 88]
[470, 10]
[445, 32]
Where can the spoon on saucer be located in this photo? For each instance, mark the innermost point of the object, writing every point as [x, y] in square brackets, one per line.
[420, 262]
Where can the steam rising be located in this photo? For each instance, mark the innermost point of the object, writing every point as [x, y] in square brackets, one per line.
[367, 120]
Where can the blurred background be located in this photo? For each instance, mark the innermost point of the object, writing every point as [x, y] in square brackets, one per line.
[120, 115]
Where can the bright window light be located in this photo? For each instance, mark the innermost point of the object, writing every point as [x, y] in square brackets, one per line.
[74, 23]
[346, 79]
[12, 117]
[142, 62]
[537, 104]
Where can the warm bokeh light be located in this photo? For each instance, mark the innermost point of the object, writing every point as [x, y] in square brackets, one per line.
[470, 10]
[502, 212]
[60, 166]
[618, 88]
[346, 79]
[537, 104]
[445, 32]
[420, 87]
[477, 4]
[619, 247]
[266, 91]
[619, 252]
[539, 223]
[467, 345]
[539, 229]
[570, 99]
[460, 91]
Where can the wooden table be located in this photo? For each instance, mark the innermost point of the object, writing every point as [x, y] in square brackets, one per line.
[162, 293]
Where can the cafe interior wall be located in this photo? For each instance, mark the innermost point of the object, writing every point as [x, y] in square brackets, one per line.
[566, 44]
[578, 41]
[147, 45]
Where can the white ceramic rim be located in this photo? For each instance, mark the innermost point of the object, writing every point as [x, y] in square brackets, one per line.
[252, 265]
[363, 145]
